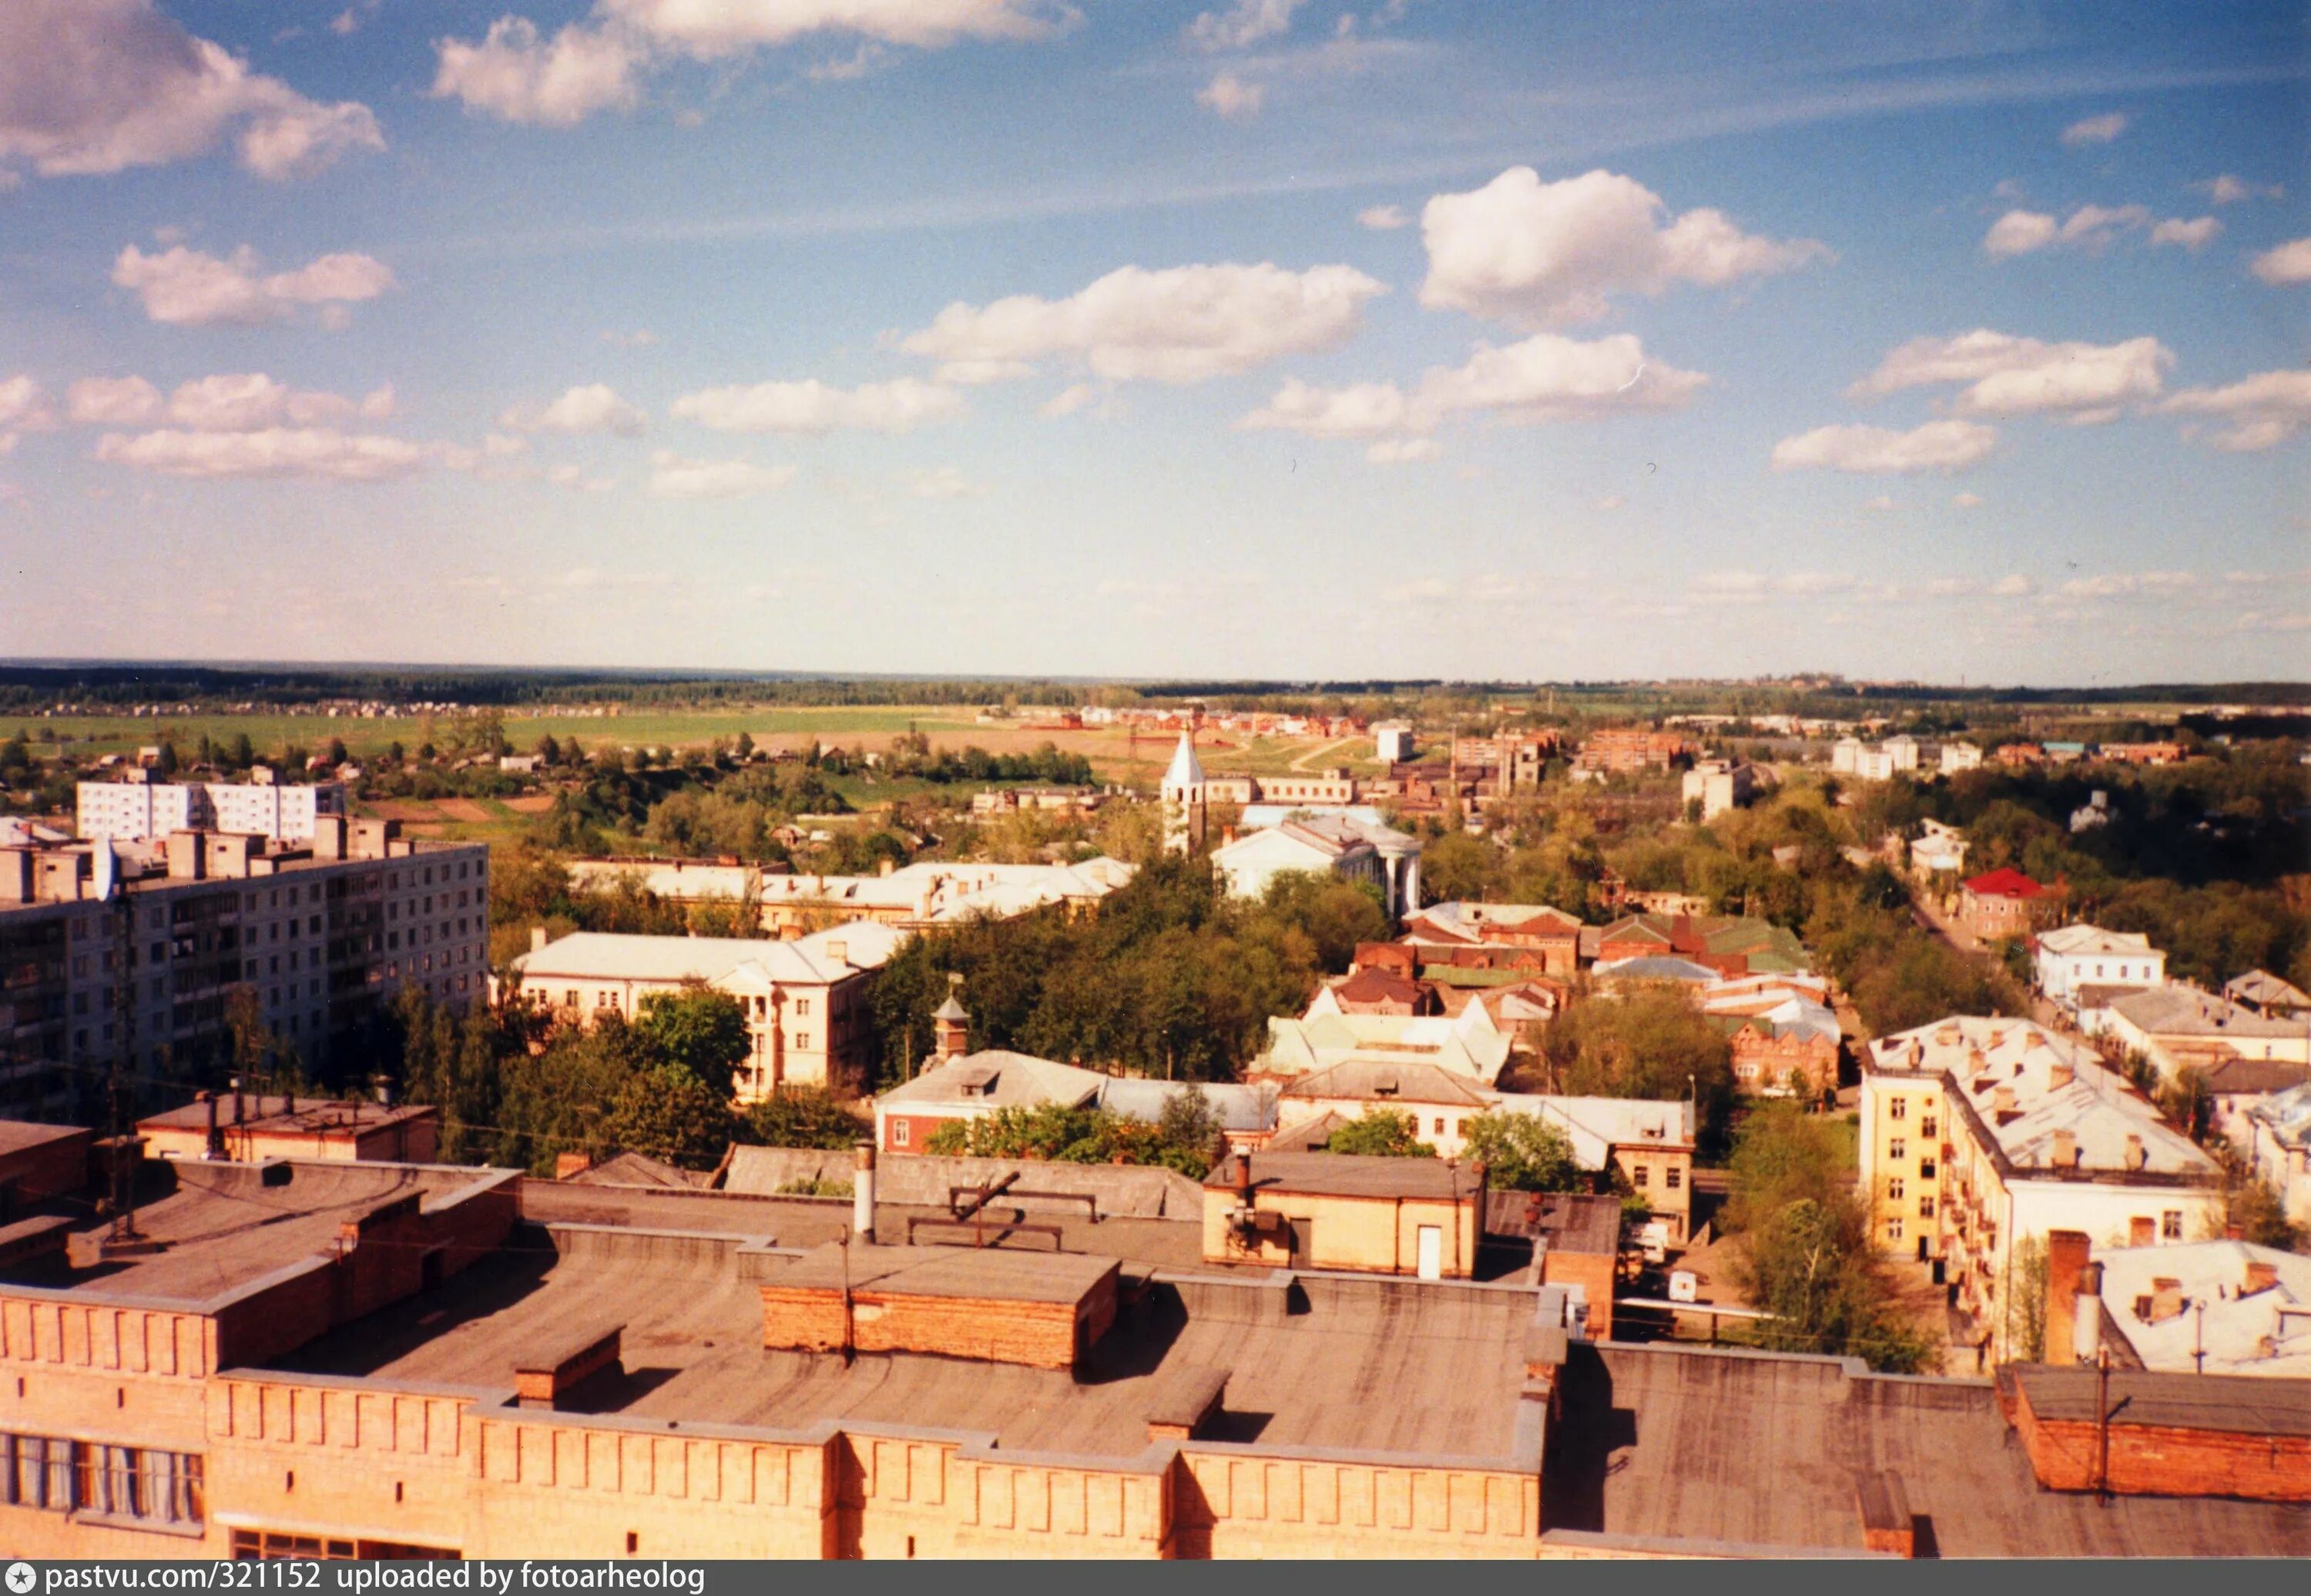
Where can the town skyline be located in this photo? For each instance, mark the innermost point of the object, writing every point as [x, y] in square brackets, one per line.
[1279, 340]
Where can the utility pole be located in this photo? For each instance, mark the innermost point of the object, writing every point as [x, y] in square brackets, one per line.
[2102, 1426]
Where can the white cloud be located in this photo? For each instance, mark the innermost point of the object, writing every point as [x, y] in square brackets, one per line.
[2018, 233]
[590, 407]
[811, 406]
[23, 407]
[1966, 500]
[187, 288]
[250, 401]
[2225, 190]
[1231, 97]
[556, 83]
[2014, 585]
[1611, 502]
[674, 478]
[944, 482]
[1245, 23]
[1880, 505]
[2193, 235]
[1545, 378]
[641, 337]
[1401, 451]
[319, 453]
[1540, 254]
[2096, 130]
[2128, 584]
[95, 86]
[1179, 325]
[709, 29]
[2255, 412]
[1384, 218]
[112, 402]
[1938, 446]
[1069, 400]
[515, 74]
[2006, 375]
[2289, 263]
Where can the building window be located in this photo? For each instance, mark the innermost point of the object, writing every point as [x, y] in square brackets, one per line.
[1926, 1128]
[802, 1006]
[2170, 1226]
[1440, 1125]
[140, 1486]
[898, 1132]
[1673, 1178]
[1898, 1108]
[1894, 1188]
[802, 1041]
[1893, 1230]
[1641, 1176]
[1925, 1208]
[1926, 1169]
[270, 1545]
[1898, 1149]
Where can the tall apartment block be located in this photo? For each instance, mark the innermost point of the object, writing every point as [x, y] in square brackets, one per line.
[137, 808]
[323, 933]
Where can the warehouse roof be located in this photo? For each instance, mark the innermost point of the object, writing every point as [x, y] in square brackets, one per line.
[1343, 1174]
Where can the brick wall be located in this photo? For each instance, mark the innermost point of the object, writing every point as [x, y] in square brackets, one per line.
[2154, 1461]
[1039, 1335]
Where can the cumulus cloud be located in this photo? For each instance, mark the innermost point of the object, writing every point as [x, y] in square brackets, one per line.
[112, 402]
[1382, 218]
[1231, 97]
[2254, 413]
[1243, 25]
[672, 476]
[95, 86]
[2091, 228]
[589, 407]
[812, 406]
[2095, 130]
[23, 408]
[2006, 375]
[1074, 397]
[2127, 584]
[2225, 190]
[2193, 235]
[1179, 325]
[517, 75]
[187, 288]
[1937, 446]
[510, 75]
[232, 402]
[1539, 253]
[641, 337]
[1966, 500]
[1545, 378]
[319, 453]
[2289, 263]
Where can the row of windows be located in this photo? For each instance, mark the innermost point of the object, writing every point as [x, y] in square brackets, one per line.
[1672, 1178]
[138, 1483]
[272, 1546]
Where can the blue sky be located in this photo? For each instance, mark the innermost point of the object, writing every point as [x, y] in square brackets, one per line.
[1271, 338]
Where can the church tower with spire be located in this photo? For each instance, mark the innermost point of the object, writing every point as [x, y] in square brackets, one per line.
[1184, 799]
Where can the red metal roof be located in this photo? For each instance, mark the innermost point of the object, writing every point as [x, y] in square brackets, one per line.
[2004, 883]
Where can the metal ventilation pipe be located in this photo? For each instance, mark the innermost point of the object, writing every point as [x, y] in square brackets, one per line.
[862, 1193]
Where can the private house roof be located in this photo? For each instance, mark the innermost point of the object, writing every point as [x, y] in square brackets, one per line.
[1654, 967]
[2187, 1012]
[2005, 883]
[2086, 939]
[1381, 1081]
[2262, 989]
[673, 961]
[995, 1078]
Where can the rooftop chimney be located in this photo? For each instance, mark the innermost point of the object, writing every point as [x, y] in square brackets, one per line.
[2066, 1149]
[537, 939]
[2166, 1300]
[951, 1024]
[2002, 1100]
[2061, 1075]
[862, 1193]
[2262, 1275]
[2138, 1156]
[2067, 1253]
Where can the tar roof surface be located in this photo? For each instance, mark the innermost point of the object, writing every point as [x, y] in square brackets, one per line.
[17, 1136]
[1345, 1175]
[222, 1227]
[1371, 1365]
[995, 1273]
[1762, 1451]
[2242, 1404]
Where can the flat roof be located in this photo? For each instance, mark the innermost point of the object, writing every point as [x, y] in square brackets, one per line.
[1345, 1175]
[21, 1136]
[2237, 1404]
[991, 1273]
[312, 1116]
[1761, 1449]
[220, 1227]
[1393, 1366]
